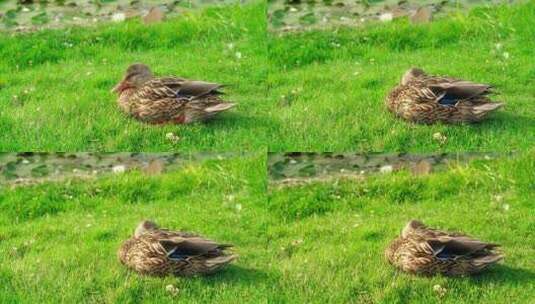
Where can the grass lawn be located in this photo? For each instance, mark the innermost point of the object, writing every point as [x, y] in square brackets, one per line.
[68, 75]
[318, 243]
[333, 82]
[58, 242]
[331, 236]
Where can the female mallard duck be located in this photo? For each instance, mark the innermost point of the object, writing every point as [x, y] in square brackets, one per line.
[157, 251]
[422, 98]
[167, 99]
[422, 250]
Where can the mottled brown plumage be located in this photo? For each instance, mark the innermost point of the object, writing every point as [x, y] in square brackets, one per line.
[422, 250]
[156, 251]
[167, 99]
[422, 98]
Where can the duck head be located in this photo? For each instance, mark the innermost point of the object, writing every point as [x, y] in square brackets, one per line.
[136, 75]
[411, 226]
[144, 227]
[411, 74]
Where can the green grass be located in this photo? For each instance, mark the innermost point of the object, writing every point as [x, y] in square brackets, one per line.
[335, 82]
[71, 106]
[315, 243]
[66, 235]
[343, 77]
[318, 243]
[345, 225]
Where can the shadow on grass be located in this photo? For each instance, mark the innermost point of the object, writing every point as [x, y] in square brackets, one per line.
[240, 120]
[495, 120]
[498, 274]
[509, 118]
[499, 120]
[237, 275]
[504, 274]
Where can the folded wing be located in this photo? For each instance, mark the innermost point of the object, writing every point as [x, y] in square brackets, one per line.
[174, 87]
[179, 248]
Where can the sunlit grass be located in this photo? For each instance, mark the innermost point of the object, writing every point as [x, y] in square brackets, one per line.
[332, 235]
[58, 242]
[317, 243]
[334, 82]
[315, 91]
[55, 85]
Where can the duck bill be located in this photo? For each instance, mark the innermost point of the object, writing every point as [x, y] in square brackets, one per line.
[121, 86]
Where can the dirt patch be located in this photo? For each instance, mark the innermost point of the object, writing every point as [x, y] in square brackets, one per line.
[32, 15]
[20, 169]
[288, 169]
[298, 15]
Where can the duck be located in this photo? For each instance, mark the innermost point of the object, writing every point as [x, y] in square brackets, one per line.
[161, 100]
[428, 251]
[160, 252]
[427, 99]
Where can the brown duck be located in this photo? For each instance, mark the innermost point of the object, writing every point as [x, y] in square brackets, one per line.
[156, 251]
[422, 250]
[167, 99]
[422, 98]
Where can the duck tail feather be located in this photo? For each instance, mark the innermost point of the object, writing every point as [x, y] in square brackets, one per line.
[220, 107]
[220, 261]
[486, 108]
[488, 259]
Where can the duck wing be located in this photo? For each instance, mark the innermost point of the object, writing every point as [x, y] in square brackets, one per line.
[163, 233]
[157, 89]
[190, 88]
[451, 90]
[453, 247]
[175, 87]
[195, 88]
[180, 248]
